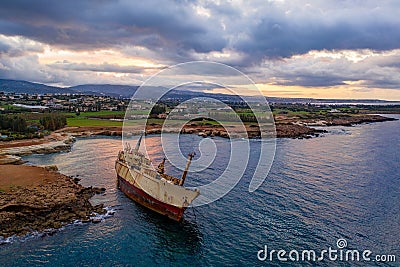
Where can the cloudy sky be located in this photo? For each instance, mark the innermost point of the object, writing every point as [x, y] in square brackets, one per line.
[322, 49]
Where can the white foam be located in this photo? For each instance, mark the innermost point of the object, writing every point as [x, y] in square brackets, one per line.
[7, 240]
[49, 232]
[101, 217]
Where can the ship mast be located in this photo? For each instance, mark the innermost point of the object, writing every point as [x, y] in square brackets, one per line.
[161, 168]
[138, 143]
[190, 157]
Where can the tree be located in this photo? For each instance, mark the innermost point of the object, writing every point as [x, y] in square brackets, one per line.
[53, 121]
[15, 124]
[157, 109]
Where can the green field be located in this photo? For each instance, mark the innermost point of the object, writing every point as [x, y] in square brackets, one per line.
[94, 113]
[84, 118]
[101, 113]
[278, 111]
[81, 121]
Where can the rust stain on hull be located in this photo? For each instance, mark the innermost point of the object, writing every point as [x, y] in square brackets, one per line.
[148, 201]
[151, 188]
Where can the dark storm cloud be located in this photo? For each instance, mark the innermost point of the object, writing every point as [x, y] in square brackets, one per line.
[177, 31]
[287, 31]
[88, 25]
[381, 83]
[271, 30]
[276, 39]
[308, 80]
[104, 67]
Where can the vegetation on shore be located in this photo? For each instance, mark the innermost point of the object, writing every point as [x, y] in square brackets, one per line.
[21, 123]
[28, 203]
[27, 125]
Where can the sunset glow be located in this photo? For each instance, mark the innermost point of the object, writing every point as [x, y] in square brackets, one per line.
[322, 50]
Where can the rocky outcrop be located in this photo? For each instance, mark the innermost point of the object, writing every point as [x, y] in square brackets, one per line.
[287, 130]
[357, 119]
[296, 131]
[339, 120]
[10, 159]
[85, 131]
[46, 148]
[286, 127]
[39, 199]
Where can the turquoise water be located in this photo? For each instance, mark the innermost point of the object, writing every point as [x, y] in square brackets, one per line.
[345, 184]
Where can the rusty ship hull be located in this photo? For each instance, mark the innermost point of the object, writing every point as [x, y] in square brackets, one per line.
[148, 201]
[153, 189]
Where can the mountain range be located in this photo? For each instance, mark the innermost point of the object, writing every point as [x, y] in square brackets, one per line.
[126, 91]
[21, 87]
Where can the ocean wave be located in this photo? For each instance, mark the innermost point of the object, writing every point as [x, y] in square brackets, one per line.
[30, 235]
[96, 218]
[110, 211]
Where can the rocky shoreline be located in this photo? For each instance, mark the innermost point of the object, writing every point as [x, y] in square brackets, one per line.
[35, 199]
[343, 120]
[285, 127]
[12, 154]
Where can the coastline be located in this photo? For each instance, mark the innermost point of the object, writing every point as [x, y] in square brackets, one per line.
[35, 198]
[285, 127]
[38, 198]
[11, 151]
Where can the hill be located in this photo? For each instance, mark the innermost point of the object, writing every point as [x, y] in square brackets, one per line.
[127, 91]
[30, 88]
[105, 89]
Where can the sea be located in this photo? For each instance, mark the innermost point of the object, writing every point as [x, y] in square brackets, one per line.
[339, 191]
